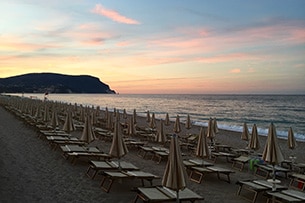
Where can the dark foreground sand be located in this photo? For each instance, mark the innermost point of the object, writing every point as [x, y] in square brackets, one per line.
[30, 171]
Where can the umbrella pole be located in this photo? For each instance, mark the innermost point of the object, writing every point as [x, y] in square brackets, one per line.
[273, 171]
[119, 162]
[177, 196]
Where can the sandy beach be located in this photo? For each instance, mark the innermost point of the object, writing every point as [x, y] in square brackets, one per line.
[31, 171]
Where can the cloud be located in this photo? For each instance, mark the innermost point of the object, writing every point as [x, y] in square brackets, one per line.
[113, 15]
[236, 70]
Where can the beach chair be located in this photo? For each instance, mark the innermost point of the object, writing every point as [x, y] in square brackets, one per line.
[76, 151]
[144, 150]
[57, 140]
[189, 163]
[227, 155]
[163, 194]
[265, 170]
[256, 187]
[198, 173]
[297, 181]
[110, 176]
[97, 166]
[286, 196]
[239, 162]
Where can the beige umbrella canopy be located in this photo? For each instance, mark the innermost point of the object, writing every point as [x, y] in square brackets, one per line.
[125, 114]
[118, 147]
[272, 153]
[134, 116]
[177, 127]
[215, 126]
[291, 139]
[148, 117]
[69, 125]
[167, 121]
[131, 127]
[54, 119]
[254, 142]
[245, 133]
[211, 132]
[160, 135]
[175, 174]
[88, 134]
[152, 123]
[188, 123]
[202, 149]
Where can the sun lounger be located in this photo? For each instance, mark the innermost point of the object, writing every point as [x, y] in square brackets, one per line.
[144, 150]
[256, 187]
[162, 194]
[96, 166]
[227, 155]
[110, 176]
[198, 173]
[297, 181]
[300, 167]
[56, 140]
[195, 162]
[286, 196]
[76, 151]
[240, 161]
[264, 171]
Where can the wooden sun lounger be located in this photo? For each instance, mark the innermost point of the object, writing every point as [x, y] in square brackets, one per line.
[110, 176]
[286, 196]
[256, 187]
[297, 181]
[240, 161]
[76, 151]
[162, 194]
[144, 150]
[265, 171]
[197, 173]
[56, 140]
[96, 166]
[227, 155]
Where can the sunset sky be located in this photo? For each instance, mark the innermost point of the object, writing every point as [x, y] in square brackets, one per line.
[160, 46]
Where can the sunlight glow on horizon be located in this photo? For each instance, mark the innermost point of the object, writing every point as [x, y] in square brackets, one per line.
[186, 48]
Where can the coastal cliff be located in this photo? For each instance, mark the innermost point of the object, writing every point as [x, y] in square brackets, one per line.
[53, 83]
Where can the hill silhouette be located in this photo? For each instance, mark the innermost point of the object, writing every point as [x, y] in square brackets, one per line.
[53, 83]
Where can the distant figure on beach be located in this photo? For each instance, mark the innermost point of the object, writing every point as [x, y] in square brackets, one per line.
[46, 96]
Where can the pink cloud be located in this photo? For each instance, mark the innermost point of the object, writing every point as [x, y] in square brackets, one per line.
[113, 15]
[236, 70]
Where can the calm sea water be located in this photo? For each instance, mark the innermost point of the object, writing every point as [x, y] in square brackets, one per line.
[231, 111]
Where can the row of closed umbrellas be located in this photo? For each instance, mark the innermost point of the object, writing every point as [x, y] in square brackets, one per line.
[175, 174]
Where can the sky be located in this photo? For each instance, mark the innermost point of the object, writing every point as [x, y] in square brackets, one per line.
[160, 46]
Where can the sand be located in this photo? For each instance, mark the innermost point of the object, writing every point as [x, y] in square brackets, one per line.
[31, 171]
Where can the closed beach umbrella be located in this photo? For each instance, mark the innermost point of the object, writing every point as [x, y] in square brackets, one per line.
[167, 121]
[254, 142]
[174, 175]
[215, 126]
[210, 133]
[291, 139]
[124, 114]
[202, 149]
[134, 116]
[69, 125]
[245, 133]
[160, 135]
[272, 153]
[188, 123]
[152, 123]
[131, 127]
[88, 134]
[118, 147]
[177, 128]
[54, 119]
[147, 116]
[46, 116]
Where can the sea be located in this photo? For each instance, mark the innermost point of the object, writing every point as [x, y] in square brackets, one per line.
[231, 111]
